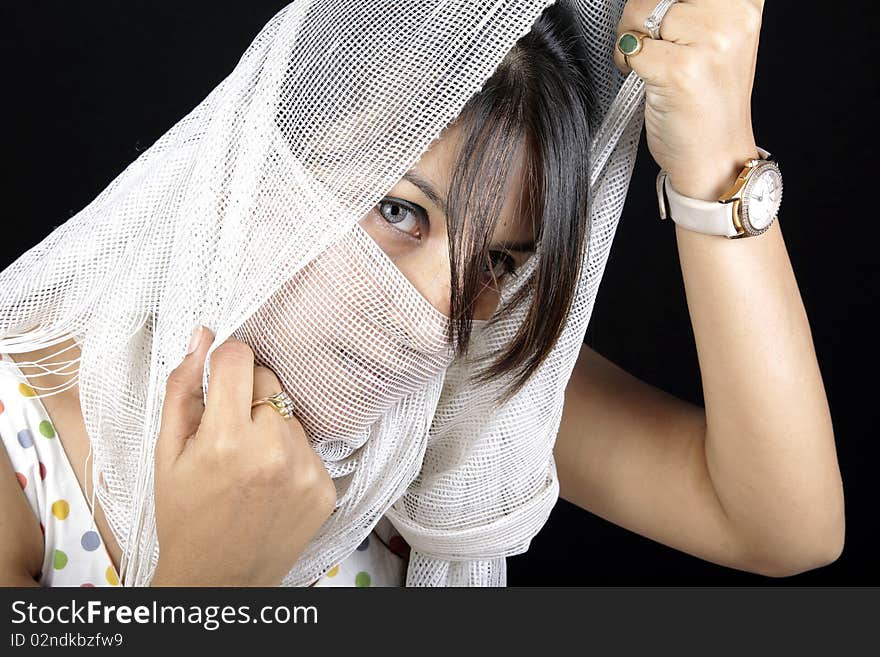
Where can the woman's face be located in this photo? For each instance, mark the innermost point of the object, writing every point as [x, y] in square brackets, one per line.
[364, 324]
[409, 224]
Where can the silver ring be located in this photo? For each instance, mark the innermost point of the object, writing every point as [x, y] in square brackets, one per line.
[280, 401]
[652, 23]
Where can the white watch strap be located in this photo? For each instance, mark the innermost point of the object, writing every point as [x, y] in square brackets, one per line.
[708, 217]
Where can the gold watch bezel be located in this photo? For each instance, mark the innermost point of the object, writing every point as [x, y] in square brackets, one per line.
[734, 195]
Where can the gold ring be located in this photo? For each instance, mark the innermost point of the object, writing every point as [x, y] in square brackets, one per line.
[630, 44]
[280, 401]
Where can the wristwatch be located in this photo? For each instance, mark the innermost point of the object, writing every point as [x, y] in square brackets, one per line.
[749, 208]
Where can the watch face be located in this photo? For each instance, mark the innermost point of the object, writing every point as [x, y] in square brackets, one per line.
[762, 198]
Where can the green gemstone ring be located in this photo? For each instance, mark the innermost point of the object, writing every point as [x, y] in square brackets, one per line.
[630, 43]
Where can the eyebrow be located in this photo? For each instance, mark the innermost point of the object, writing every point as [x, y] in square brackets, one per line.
[427, 189]
[431, 193]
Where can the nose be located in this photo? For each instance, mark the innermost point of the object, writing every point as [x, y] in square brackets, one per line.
[428, 269]
[430, 273]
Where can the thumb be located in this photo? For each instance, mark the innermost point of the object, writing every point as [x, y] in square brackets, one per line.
[183, 407]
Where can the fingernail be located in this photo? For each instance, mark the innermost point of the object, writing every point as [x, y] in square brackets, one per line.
[194, 340]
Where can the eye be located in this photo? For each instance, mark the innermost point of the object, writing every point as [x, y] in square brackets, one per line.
[498, 264]
[402, 215]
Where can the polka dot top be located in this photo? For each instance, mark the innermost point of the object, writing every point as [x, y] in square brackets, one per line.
[380, 560]
[75, 555]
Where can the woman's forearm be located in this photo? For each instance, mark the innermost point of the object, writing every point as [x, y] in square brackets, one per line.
[769, 440]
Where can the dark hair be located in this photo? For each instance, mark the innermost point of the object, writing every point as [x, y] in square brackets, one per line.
[539, 98]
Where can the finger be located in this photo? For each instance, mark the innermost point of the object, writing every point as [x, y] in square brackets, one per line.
[266, 384]
[653, 63]
[231, 382]
[679, 25]
[183, 407]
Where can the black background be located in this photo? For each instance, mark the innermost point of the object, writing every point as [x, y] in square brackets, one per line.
[88, 86]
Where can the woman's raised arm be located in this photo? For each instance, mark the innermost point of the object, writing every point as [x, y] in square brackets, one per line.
[752, 480]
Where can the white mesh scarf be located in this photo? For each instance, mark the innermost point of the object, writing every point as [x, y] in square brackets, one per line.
[244, 217]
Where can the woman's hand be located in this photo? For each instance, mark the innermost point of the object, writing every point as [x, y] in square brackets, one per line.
[698, 89]
[239, 491]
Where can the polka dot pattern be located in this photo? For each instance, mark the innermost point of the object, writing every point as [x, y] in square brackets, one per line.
[60, 559]
[75, 553]
[399, 546]
[61, 509]
[47, 429]
[372, 563]
[90, 541]
[25, 438]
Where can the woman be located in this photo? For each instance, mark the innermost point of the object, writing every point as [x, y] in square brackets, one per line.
[713, 482]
